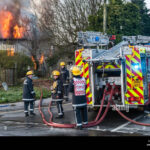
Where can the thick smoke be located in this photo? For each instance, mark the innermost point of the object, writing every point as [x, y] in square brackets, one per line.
[16, 8]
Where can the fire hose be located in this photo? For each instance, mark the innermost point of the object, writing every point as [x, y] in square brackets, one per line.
[97, 119]
[127, 118]
[90, 124]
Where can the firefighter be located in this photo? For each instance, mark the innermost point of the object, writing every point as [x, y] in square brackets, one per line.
[57, 93]
[78, 88]
[65, 79]
[28, 94]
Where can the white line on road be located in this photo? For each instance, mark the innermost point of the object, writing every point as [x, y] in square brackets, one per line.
[125, 124]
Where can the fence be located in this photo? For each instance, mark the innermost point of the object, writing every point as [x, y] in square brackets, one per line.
[8, 76]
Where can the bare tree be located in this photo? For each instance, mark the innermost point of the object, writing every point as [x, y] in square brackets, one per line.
[62, 19]
[32, 39]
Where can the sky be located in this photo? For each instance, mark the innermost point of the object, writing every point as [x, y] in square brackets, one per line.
[148, 3]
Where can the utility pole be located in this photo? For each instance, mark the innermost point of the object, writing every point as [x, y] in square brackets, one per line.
[104, 17]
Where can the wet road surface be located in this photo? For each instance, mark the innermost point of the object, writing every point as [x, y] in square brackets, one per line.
[13, 123]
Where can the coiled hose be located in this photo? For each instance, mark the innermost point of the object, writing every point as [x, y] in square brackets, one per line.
[90, 124]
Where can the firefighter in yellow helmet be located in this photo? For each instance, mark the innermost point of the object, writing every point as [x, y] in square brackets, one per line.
[78, 88]
[57, 93]
[28, 94]
[65, 79]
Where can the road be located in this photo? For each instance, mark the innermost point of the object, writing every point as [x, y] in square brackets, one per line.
[13, 123]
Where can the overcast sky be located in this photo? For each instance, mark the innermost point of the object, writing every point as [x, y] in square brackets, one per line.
[148, 3]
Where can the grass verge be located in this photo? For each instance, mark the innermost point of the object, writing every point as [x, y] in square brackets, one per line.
[14, 94]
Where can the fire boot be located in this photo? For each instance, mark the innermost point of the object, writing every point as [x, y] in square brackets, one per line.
[79, 127]
[32, 113]
[59, 117]
[66, 99]
[26, 114]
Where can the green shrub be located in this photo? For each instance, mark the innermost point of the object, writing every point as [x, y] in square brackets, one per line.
[22, 62]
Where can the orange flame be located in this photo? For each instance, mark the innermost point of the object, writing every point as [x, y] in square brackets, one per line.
[10, 52]
[7, 27]
[33, 60]
[5, 23]
[18, 32]
[41, 59]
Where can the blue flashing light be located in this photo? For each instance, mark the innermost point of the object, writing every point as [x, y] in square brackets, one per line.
[97, 39]
[136, 66]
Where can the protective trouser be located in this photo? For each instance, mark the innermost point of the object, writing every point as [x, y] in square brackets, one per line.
[66, 91]
[60, 108]
[26, 105]
[80, 115]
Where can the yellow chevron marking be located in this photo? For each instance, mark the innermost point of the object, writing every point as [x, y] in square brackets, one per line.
[80, 63]
[87, 90]
[127, 95]
[126, 102]
[86, 74]
[88, 80]
[90, 95]
[140, 91]
[128, 63]
[142, 101]
[91, 102]
[128, 72]
[86, 65]
[129, 80]
[137, 54]
[134, 60]
[135, 94]
[128, 87]
[139, 73]
[78, 57]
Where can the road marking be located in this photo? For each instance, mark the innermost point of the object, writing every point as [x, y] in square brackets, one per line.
[97, 128]
[125, 124]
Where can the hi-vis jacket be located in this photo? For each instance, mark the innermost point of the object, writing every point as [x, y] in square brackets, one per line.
[28, 91]
[78, 88]
[57, 89]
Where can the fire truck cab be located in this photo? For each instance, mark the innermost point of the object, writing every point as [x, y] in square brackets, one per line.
[126, 64]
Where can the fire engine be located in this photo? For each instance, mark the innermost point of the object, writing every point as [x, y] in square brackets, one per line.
[126, 64]
[117, 77]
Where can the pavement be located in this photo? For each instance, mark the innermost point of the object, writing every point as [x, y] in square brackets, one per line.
[20, 105]
[13, 122]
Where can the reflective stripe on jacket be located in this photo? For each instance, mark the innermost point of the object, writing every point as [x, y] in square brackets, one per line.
[78, 100]
[28, 91]
[57, 89]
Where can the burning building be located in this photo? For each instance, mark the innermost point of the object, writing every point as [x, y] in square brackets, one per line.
[13, 27]
[9, 27]
[19, 33]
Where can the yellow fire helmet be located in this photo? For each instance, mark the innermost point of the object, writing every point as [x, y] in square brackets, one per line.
[62, 64]
[55, 73]
[29, 73]
[76, 71]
